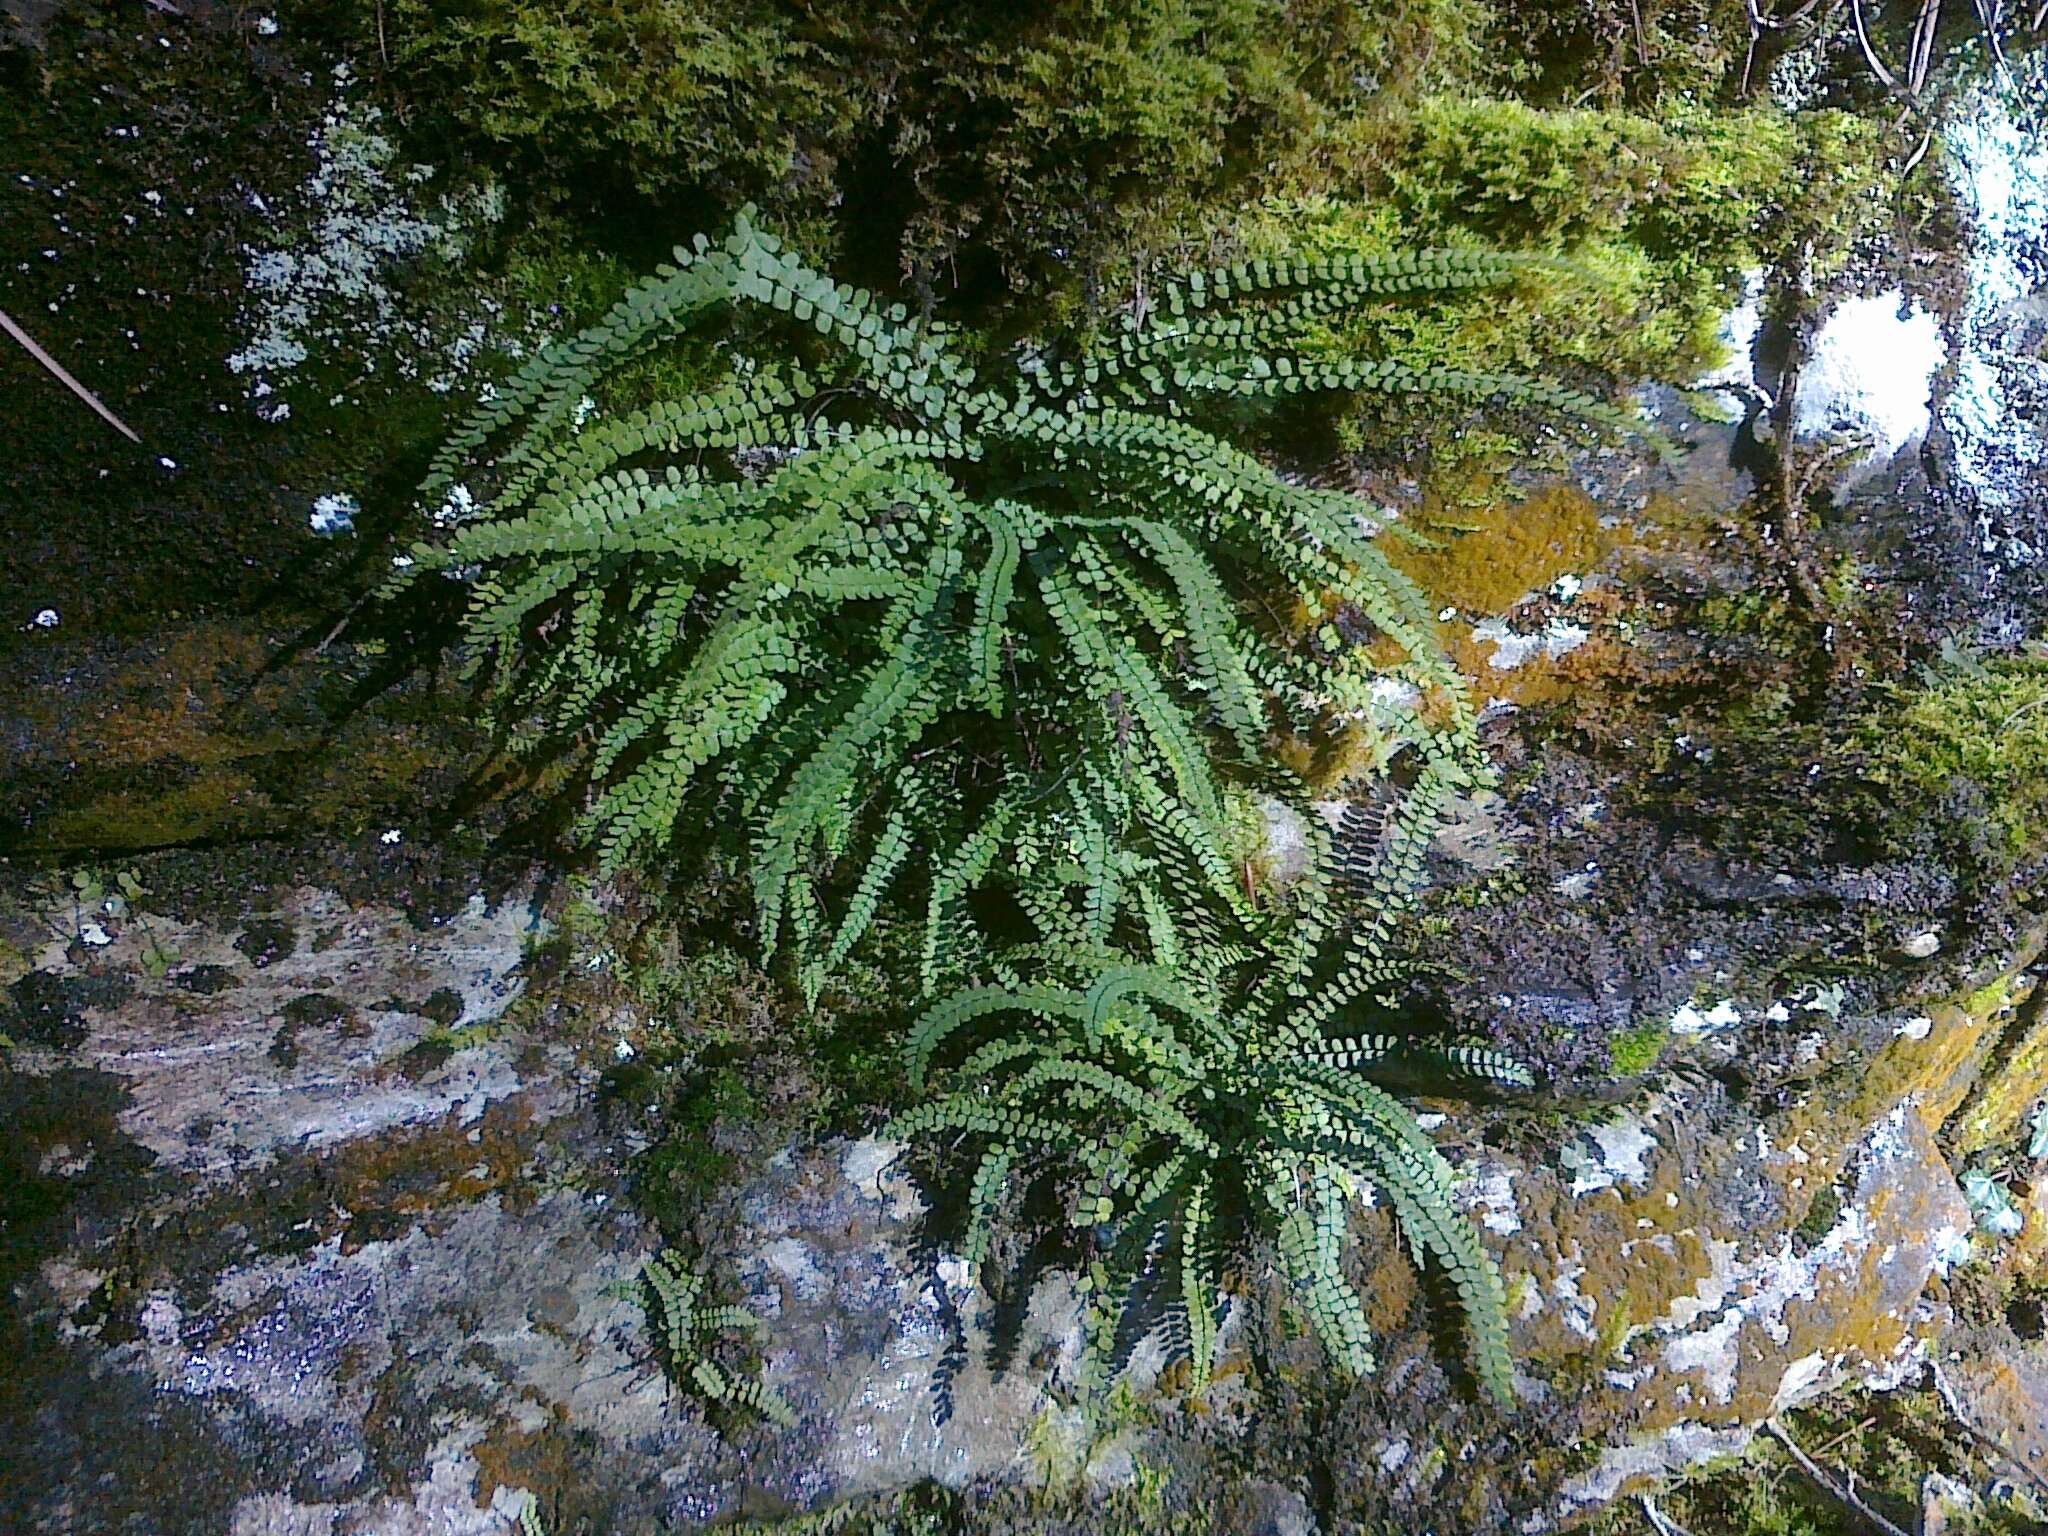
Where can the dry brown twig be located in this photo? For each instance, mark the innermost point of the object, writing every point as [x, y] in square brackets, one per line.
[63, 376]
[1845, 1497]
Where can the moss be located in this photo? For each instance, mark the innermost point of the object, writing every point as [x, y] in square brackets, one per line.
[1490, 550]
[1044, 161]
[1940, 1071]
[1984, 726]
[1656, 215]
[1032, 146]
[1636, 1050]
[2014, 1078]
[199, 736]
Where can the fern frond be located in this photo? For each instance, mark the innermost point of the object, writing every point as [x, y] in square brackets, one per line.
[687, 1328]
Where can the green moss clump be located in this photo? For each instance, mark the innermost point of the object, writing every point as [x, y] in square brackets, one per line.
[1655, 216]
[1041, 161]
[1984, 725]
[1636, 1050]
[1038, 139]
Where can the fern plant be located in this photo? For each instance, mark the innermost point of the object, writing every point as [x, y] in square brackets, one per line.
[1190, 1106]
[889, 609]
[677, 1313]
[993, 629]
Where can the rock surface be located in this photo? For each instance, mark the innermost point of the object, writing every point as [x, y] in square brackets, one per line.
[343, 1238]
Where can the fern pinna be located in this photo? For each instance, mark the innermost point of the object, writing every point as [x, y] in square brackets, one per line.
[676, 1312]
[984, 631]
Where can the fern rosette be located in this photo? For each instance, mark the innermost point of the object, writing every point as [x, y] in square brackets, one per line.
[992, 634]
[893, 611]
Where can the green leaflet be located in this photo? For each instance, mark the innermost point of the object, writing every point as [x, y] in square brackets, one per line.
[805, 499]
[1177, 1117]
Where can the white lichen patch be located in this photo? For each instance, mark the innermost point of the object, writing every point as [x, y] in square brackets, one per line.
[1647, 1460]
[1493, 1196]
[1511, 649]
[1799, 1379]
[875, 1168]
[1576, 1308]
[1609, 1154]
[1739, 330]
[1744, 1296]
[1690, 1020]
[328, 290]
[334, 514]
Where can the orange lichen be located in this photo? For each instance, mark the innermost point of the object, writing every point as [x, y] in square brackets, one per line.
[1488, 555]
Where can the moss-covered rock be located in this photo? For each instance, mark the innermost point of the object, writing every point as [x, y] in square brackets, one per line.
[1976, 727]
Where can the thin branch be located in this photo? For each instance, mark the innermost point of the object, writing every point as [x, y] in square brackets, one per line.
[1869, 53]
[1988, 18]
[2007, 724]
[1635, 12]
[1854, 1429]
[1922, 54]
[1660, 1522]
[1912, 160]
[63, 377]
[1829, 1486]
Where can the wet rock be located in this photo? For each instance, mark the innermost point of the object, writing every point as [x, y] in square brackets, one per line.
[48, 1008]
[204, 979]
[1272, 1509]
[414, 1295]
[1678, 1270]
[1765, 1326]
[190, 1058]
[367, 1300]
[887, 1349]
[444, 1006]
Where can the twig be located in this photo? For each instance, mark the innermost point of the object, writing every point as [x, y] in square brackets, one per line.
[64, 377]
[1660, 1522]
[1635, 12]
[1854, 1429]
[1988, 18]
[1869, 53]
[1922, 53]
[2006, 724]
[1829, 1486]
[1926, 142]
[1818, 465]
[342, 623]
